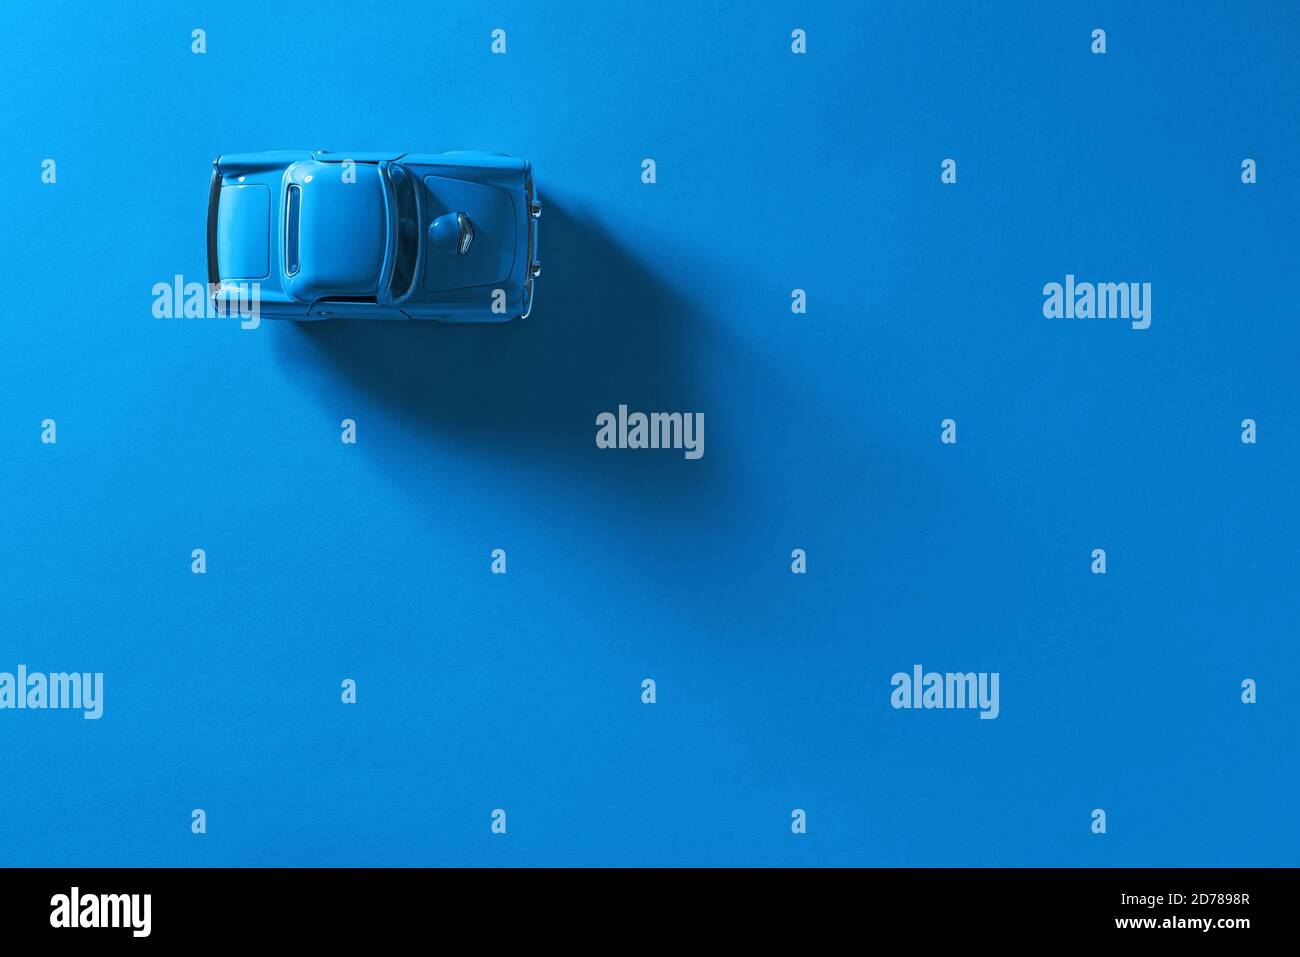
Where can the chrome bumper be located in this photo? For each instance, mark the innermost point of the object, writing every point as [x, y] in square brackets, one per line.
[532, 267]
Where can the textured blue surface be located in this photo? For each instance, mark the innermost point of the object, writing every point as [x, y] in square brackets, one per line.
[775, 171]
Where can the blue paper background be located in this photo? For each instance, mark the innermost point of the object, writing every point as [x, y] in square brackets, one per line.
[522, 691]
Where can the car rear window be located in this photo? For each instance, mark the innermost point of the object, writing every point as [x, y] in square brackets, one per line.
[292, 219]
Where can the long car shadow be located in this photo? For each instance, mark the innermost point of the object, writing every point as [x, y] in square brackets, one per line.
[604, 330]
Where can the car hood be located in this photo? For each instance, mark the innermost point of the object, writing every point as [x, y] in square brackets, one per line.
[491, 256]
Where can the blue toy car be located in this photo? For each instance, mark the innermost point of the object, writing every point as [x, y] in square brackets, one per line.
[446, 236]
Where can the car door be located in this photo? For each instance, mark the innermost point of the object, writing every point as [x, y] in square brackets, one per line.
[352, 309]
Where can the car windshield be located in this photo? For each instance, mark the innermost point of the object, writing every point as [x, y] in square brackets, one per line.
[408, 232]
